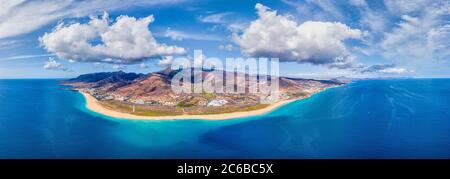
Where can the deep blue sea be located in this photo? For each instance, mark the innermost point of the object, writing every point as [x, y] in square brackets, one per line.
[407, 118]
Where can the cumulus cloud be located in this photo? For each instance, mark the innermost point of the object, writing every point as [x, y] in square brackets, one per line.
[165, 62]
[273, 35]
[52, 64]
[127, 40]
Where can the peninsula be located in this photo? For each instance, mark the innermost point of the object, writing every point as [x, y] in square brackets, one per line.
[150, 97]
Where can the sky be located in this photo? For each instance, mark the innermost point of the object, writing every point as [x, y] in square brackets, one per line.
[311, 38]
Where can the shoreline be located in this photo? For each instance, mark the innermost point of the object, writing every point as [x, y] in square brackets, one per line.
[93, 105]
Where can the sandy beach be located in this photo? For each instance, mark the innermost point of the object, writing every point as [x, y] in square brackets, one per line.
[93, 105]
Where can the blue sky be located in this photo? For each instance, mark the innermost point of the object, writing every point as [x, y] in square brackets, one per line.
[313, 39]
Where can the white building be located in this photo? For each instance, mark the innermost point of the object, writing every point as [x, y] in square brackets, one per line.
[139, 101]
[219, 102]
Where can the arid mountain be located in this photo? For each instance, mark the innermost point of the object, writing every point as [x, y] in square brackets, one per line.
[108, 81]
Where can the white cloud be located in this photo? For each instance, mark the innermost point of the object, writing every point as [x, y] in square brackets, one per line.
[25, 57]
[375, 20]
[317, 9]
[358, 3]
[127, 40]
[20, 16]
[119, 67]
[315, 42]
[174, 35]
[179, 35]
[228, 20]
[423, 33]
[52, 64]
[6, 44]
[405, 6]
[237, 27]
[165, 62]
[327, 6]
[143, 66]
[324, 75]
[394, 70]
[227, 47]
[198, 60]
[384, 69]
[214, 18]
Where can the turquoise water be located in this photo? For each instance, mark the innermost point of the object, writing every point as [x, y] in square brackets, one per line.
[366, 119]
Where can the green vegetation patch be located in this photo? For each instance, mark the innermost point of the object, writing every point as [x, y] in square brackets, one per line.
[225, 109]
[141, 110]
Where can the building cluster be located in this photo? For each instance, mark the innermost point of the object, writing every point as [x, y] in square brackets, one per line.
[300, 90]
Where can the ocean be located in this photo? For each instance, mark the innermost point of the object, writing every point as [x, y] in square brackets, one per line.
[393, 118]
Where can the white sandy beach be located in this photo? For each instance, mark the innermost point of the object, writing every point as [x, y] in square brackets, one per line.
[93, 105]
